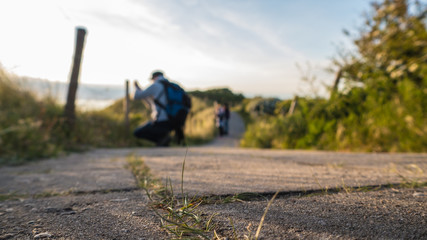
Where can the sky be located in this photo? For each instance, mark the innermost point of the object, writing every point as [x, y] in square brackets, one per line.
[249, 46]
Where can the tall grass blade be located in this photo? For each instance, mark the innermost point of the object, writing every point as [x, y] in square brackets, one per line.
[265, 213]
[209, 223]
[182, 172]
[216, 236]
[234, 229]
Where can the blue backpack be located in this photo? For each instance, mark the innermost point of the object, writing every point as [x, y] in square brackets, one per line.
[178, 103]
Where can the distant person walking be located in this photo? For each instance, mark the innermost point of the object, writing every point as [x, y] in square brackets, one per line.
[220, 119]
[168, 113]
[226, 118]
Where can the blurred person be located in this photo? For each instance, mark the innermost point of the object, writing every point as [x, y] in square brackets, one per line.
[226, 118]
[162, 120]
[220, 119]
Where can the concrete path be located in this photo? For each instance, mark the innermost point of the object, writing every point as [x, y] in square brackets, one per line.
[98, 170]
[236, 131]
[215, 169]
[110, 206]
[218, 171]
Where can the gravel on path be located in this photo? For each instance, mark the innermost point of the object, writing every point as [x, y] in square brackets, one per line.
[383, 214]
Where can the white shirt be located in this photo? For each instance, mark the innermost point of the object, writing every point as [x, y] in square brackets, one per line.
[155, 91]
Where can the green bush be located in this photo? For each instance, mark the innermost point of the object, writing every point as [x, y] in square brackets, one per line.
[383, 105]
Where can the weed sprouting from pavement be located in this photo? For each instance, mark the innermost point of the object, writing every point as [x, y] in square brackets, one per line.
[12, 196]
[324, 189]
[346, 189]
[182, 172]
[265, 213]
[233, 228]
[181, 216]
[144, 178]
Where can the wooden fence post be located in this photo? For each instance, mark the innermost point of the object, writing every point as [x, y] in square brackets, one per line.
[72, 88]
[126, 106]
[293, 105]
[336, 82]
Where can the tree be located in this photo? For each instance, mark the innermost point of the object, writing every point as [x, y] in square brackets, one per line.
[391, 46]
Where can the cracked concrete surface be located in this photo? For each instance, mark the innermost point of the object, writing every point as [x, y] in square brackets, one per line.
[110, 206]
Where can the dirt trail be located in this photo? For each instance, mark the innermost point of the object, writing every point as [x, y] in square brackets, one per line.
[93, 196]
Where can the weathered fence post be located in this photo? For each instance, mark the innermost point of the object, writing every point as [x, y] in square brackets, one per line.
[72, 88]
[293, 105]
[126, 106]
[336, 82]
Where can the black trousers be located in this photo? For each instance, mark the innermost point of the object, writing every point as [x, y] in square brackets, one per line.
[153, 131]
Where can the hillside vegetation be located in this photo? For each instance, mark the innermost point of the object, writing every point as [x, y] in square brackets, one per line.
[32, 127]
[28, 127]
[221, 95]
[382, 105]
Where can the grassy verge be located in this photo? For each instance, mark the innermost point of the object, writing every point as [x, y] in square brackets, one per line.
[32, 127]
